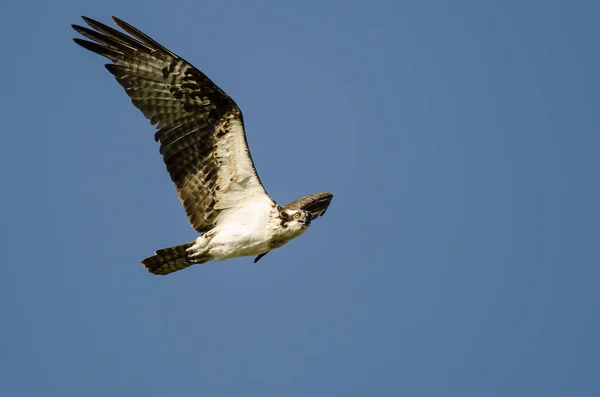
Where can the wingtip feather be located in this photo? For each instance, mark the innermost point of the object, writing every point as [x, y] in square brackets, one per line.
[90, 21]
[109, 53]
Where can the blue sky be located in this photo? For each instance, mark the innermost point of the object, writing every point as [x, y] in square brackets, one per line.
[458, 258]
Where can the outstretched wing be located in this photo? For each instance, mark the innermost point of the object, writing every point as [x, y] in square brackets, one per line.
[200, 128]
[315, 204]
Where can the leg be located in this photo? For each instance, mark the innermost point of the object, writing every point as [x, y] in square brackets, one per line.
[198, 252]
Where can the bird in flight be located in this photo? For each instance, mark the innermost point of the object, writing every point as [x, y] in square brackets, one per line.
[200, 130]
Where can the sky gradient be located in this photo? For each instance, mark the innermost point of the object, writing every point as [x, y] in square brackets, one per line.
[459, 256]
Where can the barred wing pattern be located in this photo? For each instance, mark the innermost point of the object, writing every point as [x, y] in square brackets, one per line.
[200, 128]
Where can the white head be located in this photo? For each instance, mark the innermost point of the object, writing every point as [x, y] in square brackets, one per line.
[295, 219]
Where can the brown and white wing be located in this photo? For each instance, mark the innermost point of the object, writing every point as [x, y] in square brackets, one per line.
[200, 128]
[315, 204]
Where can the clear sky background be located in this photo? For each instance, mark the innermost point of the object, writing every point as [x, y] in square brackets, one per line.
[460, 255]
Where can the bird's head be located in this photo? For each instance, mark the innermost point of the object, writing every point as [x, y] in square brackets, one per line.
[296, 217]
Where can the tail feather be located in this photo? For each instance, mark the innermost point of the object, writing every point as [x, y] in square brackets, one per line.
[168, 260]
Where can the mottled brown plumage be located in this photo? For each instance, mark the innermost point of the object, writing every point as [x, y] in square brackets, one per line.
[191, 113]
[168, 260]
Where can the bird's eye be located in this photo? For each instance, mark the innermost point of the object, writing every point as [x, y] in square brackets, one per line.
[297, 215]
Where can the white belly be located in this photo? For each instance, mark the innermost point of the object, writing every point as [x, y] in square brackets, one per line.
[241, 232]
[237, 240]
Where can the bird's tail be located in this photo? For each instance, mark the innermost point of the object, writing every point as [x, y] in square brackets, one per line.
[168, 260]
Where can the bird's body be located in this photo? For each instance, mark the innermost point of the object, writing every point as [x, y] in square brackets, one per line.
[246, 231]
[203, 144]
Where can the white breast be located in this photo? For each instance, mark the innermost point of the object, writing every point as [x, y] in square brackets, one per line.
[242, 231]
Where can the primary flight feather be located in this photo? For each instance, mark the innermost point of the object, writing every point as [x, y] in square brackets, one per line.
[203, 144]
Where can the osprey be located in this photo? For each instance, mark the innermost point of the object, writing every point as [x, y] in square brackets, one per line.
[203, 144]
